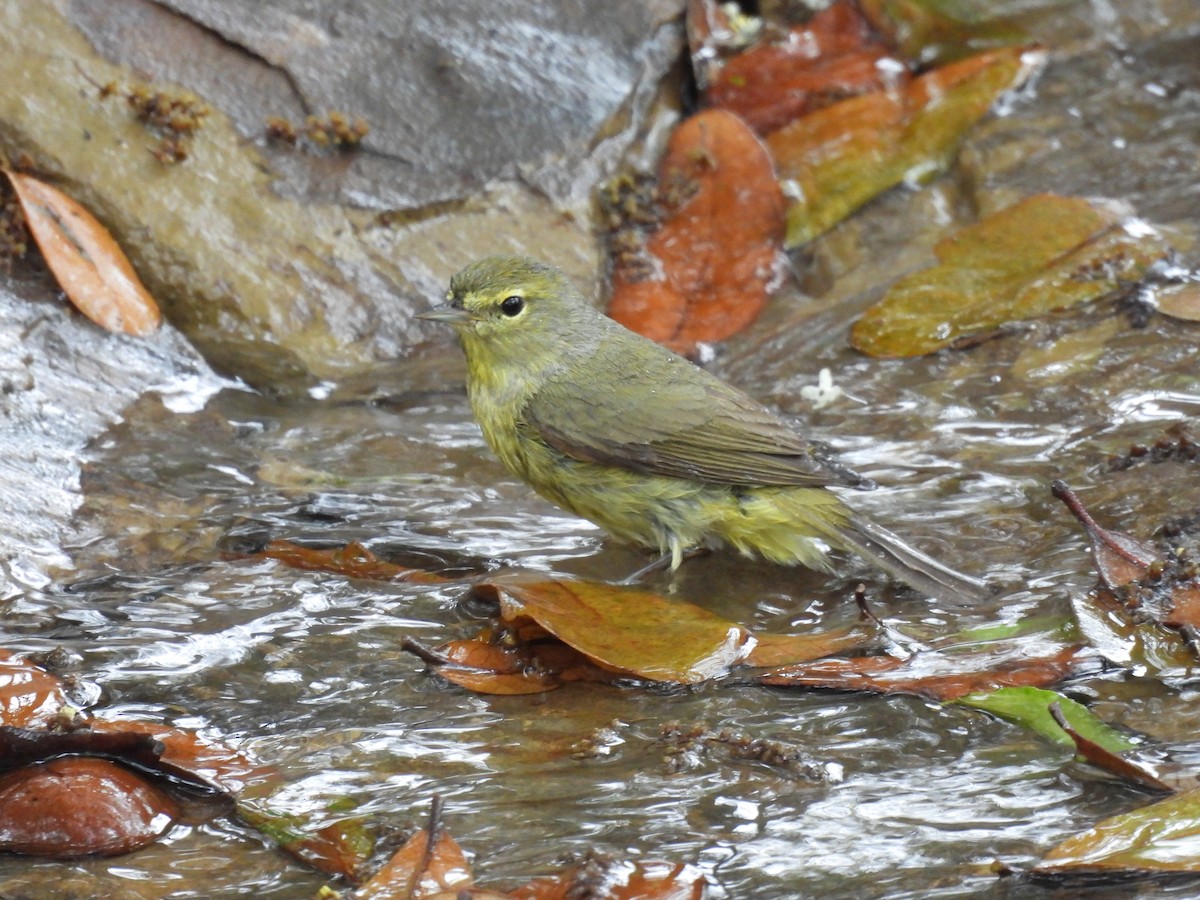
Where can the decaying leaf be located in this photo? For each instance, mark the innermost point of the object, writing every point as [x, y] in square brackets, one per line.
[430, 864]
[341, 847]
[938, 675]
[1042, 254]
[1160, 587]
[605, 876]
[88, 264]
[707, 271]
[352, 560]
[1160, 839]
[832, 161]
[833, 56]
[933, 33]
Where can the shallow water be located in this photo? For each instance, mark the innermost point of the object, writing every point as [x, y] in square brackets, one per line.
[305, 668]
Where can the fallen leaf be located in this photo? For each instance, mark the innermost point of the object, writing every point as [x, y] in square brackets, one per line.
[1030, 707]
[620, 880]
[1120, 559]
[430, 863]
[832, 161]
[707, 271]
[934, 33]
[342, 847]
[1107, 758]
[833, 56]
[29, 695]
[1162, 838]
[88, 264]
[1042, 254]
[936, 674]
[352, 560]
[1179, 301]
[79, 806]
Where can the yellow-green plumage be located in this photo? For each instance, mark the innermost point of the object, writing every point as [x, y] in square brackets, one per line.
[651, 448]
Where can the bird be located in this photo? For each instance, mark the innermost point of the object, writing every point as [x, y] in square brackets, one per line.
[655, 450]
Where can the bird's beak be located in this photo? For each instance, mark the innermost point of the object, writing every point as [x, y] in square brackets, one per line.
[454, 315]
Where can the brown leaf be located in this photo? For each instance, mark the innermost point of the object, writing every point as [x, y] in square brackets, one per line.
[1106, 759]
[429, 863]
[1179, 301]
[341, 847]
[353, 560]
[79, 806]
[88, 264]
[617, 880]
[833, 56]
[934, 674]
[715, 255]
[29, 695]
[1120, 559]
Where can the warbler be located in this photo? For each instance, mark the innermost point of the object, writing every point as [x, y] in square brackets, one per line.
[650, 447]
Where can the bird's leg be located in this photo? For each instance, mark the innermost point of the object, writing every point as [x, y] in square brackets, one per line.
[662, 562]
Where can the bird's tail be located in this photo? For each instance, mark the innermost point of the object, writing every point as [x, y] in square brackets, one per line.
[916, 569]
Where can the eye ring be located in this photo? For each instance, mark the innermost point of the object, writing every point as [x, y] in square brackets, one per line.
[513, 305]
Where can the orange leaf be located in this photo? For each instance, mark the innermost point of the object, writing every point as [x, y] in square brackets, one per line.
[832, 57]
[90, 267]
[29, 695]
[714, 257]
[430, 863]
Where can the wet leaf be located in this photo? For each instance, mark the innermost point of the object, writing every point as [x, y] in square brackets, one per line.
[212, 761]
[833, 56]
[1162, 588]
[79, 806]
[1039, 255]
[29, 695]
[1108, 758]
[1030, 708]
[1161, 838]
[832, 161]
[626, 629]
[352, 560]
[603, 876]
[88, 264]
[937, 674]
[1181, 301]
[429, 863]
[341, 847]
[707, 270]
[787, 649]
[933, 32]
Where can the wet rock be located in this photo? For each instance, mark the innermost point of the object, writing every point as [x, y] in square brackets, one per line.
[63, 381]
[279, 290]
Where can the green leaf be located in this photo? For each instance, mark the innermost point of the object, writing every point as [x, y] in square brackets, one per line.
[1042, 254]
[1029, 706]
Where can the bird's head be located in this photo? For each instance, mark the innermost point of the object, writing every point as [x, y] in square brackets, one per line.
[513, 310]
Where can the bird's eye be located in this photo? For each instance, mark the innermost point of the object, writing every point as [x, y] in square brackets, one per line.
[512, 305]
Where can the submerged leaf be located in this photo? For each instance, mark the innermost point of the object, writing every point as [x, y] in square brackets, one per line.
[936, 674]
[1039, 255]
[708, 268]
[431, 863]
[933, 32]
[619, 880]
[88, 264]
[1161, 838]
[352, 560]
[832, 161]
[29, 695]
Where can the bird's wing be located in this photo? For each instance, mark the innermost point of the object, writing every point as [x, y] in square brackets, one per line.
[689, 425]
